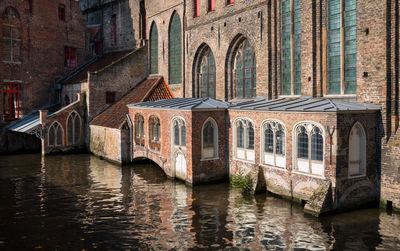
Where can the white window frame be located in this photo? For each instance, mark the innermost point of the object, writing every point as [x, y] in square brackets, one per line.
[272, 159]
[362, 152]
[210, 153]
[244, 154]
[181, 121]
[308, 166]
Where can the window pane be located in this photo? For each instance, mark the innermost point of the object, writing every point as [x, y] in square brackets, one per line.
[154, 50]
[239, 76]
[317, 146]
[297, 47]
[350, 47]
[208, 135]
[269, 140]
[334, 48]
[176, 134]
[280, 142]
[175, 51]
[240, 135]
[250, 137]
[302, 144]
[286, 48]
[183, 135]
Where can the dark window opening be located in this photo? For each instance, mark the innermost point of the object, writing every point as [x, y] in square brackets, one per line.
[61, 13]
[110, 97]
[389, 206]
[11, 101]
[97, 47]
[142, 20]
[114, 24]
[28, 6]
[70, 57]
[211, 5]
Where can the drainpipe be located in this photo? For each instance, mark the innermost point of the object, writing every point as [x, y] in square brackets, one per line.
[130, 137]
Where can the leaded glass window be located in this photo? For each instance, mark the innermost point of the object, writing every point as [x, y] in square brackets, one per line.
[154, 49]
[269, 139]
[208, 135]
[250, 137]
[302, 143]
[342, 16]
[317, 145]
[176, 133]
[280, 141]
[175, 50]
[183, 135]
[207, 74]
[286, 48]
[139, 129]
[240, 135]
[245, 71]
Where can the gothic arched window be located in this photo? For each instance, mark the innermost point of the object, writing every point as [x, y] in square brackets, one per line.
[179, 132]
[274, 143]
[244, 134]
[357, 151]
[175, 50]
[139, 130]
[207, 74]
[154, 49]
[244, 71]
[74, 129]
[210, 139]
[55, 135]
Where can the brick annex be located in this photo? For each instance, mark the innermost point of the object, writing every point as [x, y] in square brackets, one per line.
[303, 95]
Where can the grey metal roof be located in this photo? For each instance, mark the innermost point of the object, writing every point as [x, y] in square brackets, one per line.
[304, 104]
[26, 125]
[184, 104]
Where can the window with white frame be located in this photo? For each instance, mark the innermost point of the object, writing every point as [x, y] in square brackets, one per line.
[179, 132]
[273, 143]
[209, 139]
[139, 130]
[244, 143]
[357, 151]
[155, 133]
[309, 145]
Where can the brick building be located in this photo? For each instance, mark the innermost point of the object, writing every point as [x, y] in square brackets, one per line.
[40, 41]
[340, 51]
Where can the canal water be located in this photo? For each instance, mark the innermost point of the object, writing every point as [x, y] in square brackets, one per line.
[76, 202]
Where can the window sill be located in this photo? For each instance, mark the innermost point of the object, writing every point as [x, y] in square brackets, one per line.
[310, 175]
[340, 96]
[11, 62]
[356, 176]
[243, 160]
[209, 159]
[274, 167]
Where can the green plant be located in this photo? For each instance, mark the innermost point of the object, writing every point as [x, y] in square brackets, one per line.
[242, 182]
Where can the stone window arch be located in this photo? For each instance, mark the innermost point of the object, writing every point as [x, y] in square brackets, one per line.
[139, 130]
[209, 140]
[55, 135]
[273, 142]
[153, 49]
[175, 50]
[155, 133]
[205, 73]
[244, 139]
[179, 132]
[357, 151]
[308, 145]
[242, 69]
[74, 128]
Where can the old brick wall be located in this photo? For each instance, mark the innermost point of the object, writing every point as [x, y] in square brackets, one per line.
[119, 77]
[209, 170]
[160, 12]
[43, 38]
[106, 142]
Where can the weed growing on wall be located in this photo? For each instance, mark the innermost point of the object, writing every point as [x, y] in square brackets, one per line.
[242, 182]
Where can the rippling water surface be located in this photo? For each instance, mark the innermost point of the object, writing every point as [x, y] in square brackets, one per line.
[80, 202]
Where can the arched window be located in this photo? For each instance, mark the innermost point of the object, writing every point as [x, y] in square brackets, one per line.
[309, 148]
[55, 135]
[74, 129]
[210, 139]
[154, 49]
[244, 71]
[274, 143]
[244, 133]
[139, 130]
[179, 132]
[154, 133]
[175, 50]
[357, 151]
[206, 74]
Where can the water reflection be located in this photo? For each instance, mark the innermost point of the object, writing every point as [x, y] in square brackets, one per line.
[82, 202]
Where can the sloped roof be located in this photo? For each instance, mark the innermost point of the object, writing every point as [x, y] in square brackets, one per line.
[98, 63]
[304, 104]
[154, 88]
[184, 104]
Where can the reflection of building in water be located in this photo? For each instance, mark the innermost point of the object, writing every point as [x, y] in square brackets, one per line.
[285, 229]
[105, 174]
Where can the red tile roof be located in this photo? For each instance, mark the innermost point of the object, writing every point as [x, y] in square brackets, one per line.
[98, 64]
[149, 90]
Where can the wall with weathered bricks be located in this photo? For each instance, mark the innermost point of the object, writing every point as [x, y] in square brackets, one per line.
[106, 142]
[43, 37]
[119, 77]
[160, 12]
